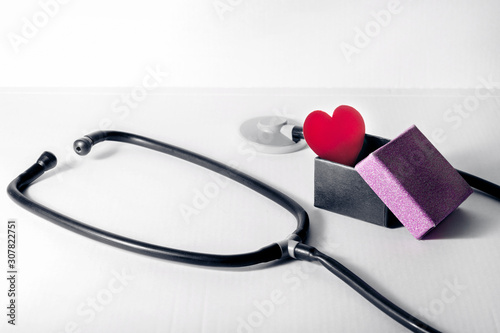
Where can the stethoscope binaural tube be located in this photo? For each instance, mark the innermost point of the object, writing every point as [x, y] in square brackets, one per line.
[83, 146]
[293, 246]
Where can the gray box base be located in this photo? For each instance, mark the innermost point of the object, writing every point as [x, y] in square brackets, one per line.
[340, 189]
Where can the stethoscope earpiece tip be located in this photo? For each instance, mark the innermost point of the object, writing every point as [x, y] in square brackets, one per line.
[47, 160]
[83, 146]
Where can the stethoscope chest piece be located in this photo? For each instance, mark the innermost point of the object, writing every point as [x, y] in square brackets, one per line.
[272, 134]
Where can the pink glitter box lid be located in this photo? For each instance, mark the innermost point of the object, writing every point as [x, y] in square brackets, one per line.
[414, 181]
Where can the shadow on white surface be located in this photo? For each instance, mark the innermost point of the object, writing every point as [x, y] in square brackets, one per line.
[105, 152]
[462, 224]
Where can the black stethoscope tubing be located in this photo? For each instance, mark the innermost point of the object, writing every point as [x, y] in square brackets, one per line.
[293, 246]
[83, 146]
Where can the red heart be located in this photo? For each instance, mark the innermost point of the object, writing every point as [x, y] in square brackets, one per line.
[338, 138]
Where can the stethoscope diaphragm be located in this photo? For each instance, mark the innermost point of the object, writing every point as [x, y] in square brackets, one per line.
[272, 134]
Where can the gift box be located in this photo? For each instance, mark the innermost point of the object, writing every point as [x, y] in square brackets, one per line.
[406, 176]
[340, 189]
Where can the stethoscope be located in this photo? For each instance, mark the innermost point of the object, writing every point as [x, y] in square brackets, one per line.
[270, 132]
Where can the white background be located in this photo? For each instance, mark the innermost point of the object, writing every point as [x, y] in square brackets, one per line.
[426, 44]
[435, 65]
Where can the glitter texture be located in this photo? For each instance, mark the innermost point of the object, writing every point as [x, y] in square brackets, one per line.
[415, 181]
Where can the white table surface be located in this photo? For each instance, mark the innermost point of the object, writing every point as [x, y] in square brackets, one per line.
[68, 283]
